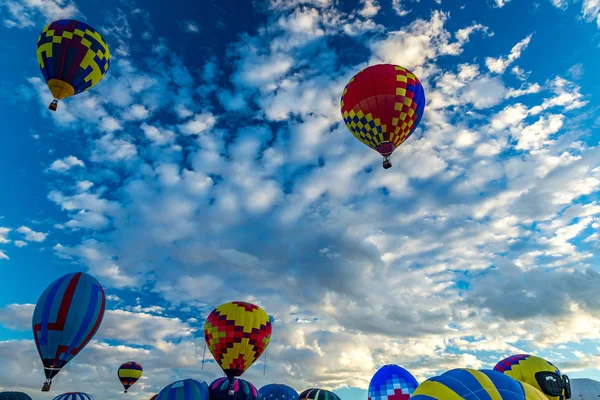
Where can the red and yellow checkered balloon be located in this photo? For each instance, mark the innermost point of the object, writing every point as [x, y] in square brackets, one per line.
[382, 106]
[236, 334]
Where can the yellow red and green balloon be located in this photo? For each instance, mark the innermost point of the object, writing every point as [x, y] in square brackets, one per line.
[73, 58]
[237, 333]
[318, 394]
[382, 106]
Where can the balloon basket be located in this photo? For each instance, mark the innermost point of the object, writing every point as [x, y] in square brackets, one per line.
[53, 105]
[46, 387]
[387, 164]
[231, 392]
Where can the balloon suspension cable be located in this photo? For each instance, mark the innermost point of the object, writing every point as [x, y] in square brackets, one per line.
[203, 354]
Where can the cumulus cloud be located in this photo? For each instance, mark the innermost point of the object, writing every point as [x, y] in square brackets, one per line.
[65, 164]
[32, 235]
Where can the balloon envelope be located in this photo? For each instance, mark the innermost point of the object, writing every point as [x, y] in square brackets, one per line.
[14, 396]
[129, 373]
[236, 334]
[66, 317]
[382, 105]
[242, 390]
[585, 389]
[187, 389]
[392, 382]
[471, 384]
[275, 391]
[318, 394]
[74, 396]
[524, 367]
[72, 56]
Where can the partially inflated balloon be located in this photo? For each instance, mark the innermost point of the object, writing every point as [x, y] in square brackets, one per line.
[66, 317]
[236, 334]
[242, 390]
[537, 372]
[382, 106]
[464, 383]
[392, 382]
[187, 389]
[275, 391]
[73, 58]
[318, 394]
[74, 396]
[14, 396]
[129, 373]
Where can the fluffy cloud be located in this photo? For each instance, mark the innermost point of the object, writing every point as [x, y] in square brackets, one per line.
[65, 164]
[32, 235]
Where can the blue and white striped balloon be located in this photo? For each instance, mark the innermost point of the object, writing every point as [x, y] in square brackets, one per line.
[74, 396]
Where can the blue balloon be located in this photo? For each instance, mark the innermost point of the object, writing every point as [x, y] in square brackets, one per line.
[14, 396]
[187, 389]
[74, 396]
[275, 391]
[392, 382]
[66, 317]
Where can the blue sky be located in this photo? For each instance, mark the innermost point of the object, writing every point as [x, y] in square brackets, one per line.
[211, 164]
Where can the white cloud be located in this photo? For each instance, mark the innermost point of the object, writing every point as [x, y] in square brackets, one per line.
[110, 148]
[4, 235]
[499, 65]
[501, 3]
[31, 235]
[190, 27]
[21, 14]
[137, 112]
[399, 9]
[65, 164]
[3, 256]
[370, 8]
[200, 123]
[591, 10]
[20, 243]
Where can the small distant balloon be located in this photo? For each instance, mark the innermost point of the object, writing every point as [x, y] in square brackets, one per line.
[129, 373]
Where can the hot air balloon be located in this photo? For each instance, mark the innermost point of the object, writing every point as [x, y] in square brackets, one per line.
[382, 105]
[392, 382]
[537, 372]
[14, 396]
[129, 373]
[187, 389]
[74, 396]
[66, 317]
[236, 334]
[242, 390]
[276, 391]
[471, 384]
[585, 389]
[318, 394]
[73, 58]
